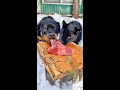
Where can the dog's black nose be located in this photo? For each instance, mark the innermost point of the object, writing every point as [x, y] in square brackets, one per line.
[52, 36]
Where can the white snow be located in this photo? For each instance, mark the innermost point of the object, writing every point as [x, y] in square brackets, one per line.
[42, 83]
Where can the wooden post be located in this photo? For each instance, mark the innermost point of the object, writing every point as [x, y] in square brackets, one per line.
[38, 6]
[76, 8]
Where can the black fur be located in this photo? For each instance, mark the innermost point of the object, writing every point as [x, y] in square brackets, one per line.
[52, 26]
[71, 32]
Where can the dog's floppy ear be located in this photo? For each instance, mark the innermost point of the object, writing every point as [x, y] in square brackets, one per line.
[62, 37]
[64, 24]
[39, 32]
[58, 25]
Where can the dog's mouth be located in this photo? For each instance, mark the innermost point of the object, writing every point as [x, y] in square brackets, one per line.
[52, 38]
[47, 37]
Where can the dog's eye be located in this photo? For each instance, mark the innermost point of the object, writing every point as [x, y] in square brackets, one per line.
[53, 26]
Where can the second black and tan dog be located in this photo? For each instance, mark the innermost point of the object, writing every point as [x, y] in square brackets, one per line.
[71, 32]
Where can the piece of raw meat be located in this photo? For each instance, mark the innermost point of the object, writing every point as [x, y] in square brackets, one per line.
[58, 48]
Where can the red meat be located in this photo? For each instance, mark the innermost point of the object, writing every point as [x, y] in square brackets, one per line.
[58, 48]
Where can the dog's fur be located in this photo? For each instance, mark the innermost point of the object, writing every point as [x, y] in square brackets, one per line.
[47, 29]
[71, 32]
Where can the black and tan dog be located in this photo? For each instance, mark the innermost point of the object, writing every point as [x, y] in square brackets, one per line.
[47, 29]
[71, 32]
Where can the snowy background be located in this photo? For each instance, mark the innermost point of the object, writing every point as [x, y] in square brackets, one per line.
[42, 83]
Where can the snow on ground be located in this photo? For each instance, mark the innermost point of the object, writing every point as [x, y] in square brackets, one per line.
[42, 83]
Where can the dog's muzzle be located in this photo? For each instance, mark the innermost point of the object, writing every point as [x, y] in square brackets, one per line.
[52, 35]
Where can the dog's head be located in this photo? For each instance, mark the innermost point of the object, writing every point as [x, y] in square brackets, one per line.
[71, 32]
[48, 28]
